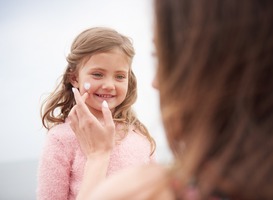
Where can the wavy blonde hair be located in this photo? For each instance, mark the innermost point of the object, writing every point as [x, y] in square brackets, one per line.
[57, 105]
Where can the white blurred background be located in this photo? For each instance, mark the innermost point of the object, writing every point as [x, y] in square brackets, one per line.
[35, 38]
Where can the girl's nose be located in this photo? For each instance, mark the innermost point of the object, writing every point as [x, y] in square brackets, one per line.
[108, 85]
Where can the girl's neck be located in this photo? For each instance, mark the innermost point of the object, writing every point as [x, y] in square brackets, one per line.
[98, 114]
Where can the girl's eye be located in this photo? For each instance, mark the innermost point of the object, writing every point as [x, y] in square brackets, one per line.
[97, 75]
[120, 77]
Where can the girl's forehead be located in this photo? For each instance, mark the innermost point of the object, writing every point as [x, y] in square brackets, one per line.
[116, 68]
[105, 61]
[116, 51]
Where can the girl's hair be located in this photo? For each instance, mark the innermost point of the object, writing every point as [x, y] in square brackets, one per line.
[92, 41]
[215, 76]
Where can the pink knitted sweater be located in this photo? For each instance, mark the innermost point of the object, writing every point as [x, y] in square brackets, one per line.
[61, 165]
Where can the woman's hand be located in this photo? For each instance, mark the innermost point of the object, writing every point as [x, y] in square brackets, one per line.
[93, 136]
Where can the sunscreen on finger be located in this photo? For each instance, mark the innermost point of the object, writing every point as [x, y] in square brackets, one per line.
[105, 104]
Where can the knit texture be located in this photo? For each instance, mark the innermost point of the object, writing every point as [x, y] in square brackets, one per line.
[62, 162]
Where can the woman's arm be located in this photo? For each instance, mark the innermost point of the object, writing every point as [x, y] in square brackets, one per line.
[96, 140]
[147, 182]
[94, 172]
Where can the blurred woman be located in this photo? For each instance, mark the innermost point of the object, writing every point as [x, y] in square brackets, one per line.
[215, 79]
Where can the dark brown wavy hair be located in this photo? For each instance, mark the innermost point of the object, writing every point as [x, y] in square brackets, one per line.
[56, 107]
[215, 76]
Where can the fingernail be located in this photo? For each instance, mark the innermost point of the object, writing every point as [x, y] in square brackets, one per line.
[86, 86]
[73, 89]
[105, 104]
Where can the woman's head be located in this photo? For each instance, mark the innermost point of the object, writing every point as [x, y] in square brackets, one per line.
[89, 43]
[215, 80]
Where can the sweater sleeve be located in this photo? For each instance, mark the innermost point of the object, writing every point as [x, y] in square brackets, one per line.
[53, 170]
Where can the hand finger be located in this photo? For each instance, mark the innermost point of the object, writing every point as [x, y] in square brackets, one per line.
[82, 109]
[77, 95]
[85, 96]
[73, 118]
[107, 115]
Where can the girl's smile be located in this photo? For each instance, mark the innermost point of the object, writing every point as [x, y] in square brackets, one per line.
[107, 97]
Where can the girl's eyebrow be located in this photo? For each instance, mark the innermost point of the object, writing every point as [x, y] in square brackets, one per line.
[95, 69]
[102, 69]
[122, 71]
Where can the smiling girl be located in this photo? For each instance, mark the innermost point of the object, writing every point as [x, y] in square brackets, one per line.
[99, 64]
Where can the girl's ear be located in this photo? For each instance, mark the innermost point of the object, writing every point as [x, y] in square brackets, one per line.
[74, 81]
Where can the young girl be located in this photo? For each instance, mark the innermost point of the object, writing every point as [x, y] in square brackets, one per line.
[99, 64]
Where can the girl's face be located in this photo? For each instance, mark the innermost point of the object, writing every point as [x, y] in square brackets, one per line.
[107, 73]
